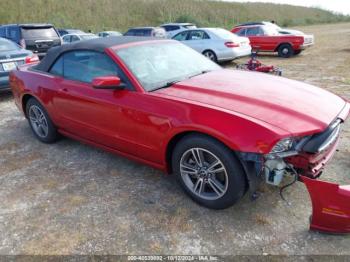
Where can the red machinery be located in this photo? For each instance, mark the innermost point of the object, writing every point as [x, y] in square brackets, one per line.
[255, 65]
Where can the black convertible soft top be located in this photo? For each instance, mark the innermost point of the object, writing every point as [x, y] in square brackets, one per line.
[98, 44]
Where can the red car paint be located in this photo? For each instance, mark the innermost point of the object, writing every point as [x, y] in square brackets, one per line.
[270, 43]
[248, 112]
[331, 206]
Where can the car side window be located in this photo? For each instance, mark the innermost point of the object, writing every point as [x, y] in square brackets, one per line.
[74, 38]
[181, 36]
[252, 31]
[13, 33]
[169, 28]
[241, 32]
[2, 32]
[130, 32]
[84, 66]
[146, 32]
[57, 68]
[261, 31]
[198, 35]
[66, 38]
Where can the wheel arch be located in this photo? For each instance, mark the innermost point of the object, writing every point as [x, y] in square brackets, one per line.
[25, 98]
[283, 43]
[24, 101]
[208, 49]
[177, 137]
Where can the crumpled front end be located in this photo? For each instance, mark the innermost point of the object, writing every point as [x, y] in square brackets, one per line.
[305, 159]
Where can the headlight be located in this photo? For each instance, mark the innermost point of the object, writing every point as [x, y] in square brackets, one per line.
[283, 145]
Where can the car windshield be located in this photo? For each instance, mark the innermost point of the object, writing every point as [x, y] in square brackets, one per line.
[87, 37]
[6, 45]
[35, 32]
[161, 64]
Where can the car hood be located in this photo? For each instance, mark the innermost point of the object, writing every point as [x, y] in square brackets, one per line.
[296, 107]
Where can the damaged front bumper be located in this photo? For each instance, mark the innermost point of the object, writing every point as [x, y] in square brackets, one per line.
[330, 206]
[305, 160]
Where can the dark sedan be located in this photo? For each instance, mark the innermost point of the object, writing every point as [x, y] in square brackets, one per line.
[12, 55]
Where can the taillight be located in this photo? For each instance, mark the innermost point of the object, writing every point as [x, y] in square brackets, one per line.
[22, 43]
[31, 59]
[231, 44]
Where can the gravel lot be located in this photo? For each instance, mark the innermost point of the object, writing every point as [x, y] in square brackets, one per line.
[69, 198]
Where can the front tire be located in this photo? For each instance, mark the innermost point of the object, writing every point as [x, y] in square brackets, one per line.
[285, 50]
[40, 122]
[208, 171]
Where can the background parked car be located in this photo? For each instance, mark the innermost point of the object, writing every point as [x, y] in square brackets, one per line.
[267, 38]
[37, 38]
[11, 56]
[63, 32]
[109, 33]
[146, 31]
[215, 43]
[70, 38]
[284, 31]
[174, 28]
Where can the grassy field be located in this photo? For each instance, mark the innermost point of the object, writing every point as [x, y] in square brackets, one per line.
[120, 14]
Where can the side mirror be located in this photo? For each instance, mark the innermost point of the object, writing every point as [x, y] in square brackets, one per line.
[107, 82]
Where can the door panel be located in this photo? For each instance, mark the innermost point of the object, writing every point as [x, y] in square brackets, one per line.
[121, 119]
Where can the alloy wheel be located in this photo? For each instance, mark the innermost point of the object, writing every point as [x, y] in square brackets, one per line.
[210, 55]
[38, 121]
[203, 173]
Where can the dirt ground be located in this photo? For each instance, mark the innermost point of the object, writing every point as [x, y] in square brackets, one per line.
[69, 198]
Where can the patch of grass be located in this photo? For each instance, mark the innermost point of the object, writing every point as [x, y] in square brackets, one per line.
[122, 14]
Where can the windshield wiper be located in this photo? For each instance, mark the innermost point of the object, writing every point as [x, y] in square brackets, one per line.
[167, 84]
[170, 83]
[200, 73]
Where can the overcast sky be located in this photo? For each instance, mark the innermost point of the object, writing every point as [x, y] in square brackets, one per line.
[341, 6]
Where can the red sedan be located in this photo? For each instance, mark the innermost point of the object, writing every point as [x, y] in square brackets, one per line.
[267, 38]
[159, 102]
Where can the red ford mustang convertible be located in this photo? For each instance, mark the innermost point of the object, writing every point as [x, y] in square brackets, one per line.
[158, 101]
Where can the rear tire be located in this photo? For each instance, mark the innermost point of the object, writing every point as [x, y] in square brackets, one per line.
[285, 51]
[210, 55]
[208, 171]
[40, 122]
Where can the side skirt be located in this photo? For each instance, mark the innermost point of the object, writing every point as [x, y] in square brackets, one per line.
[114, 151]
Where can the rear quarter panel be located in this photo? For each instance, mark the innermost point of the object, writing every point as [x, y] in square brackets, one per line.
[27, 81]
